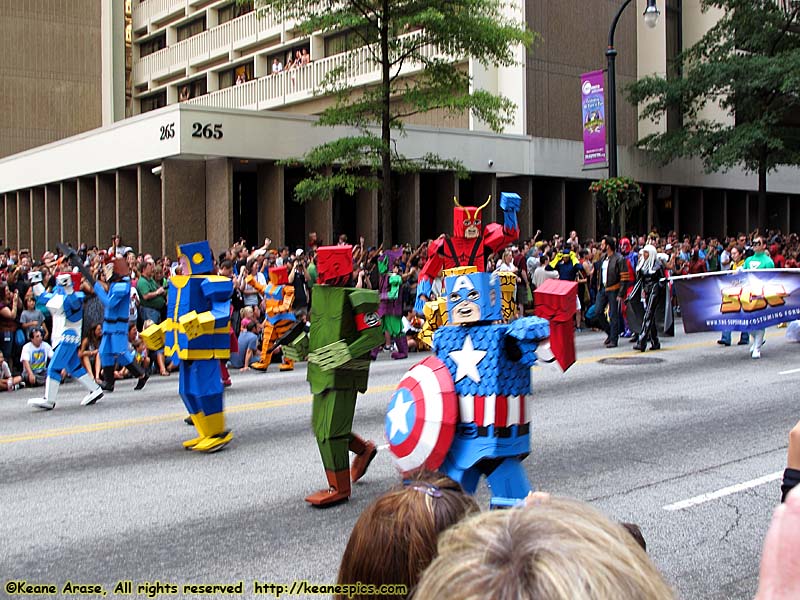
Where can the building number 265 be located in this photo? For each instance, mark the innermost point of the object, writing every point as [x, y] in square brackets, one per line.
[205, 130]
[167, 131]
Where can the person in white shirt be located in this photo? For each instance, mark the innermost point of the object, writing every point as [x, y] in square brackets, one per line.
[117, 247]
[35, 356]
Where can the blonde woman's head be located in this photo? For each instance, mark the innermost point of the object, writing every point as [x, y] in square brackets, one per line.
[562, 549]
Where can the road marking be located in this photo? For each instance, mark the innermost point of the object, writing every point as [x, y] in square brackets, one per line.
[109, 425]
[789, 372]
[383, 447]
[727, 491]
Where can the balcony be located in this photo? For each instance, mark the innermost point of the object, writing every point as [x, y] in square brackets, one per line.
[299, 84]
[212, 43]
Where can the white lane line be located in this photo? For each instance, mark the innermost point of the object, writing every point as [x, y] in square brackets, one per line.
[383, 447]
[733, 489]
[789, 372]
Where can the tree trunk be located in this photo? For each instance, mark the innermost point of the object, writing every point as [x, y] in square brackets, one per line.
[386, 207]
[762, 194]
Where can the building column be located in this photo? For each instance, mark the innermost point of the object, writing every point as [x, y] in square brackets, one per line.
[183, 203]
[484, 185]
[87, 211]
[126, 220]
[52, 215]
[38, 216]
[105, 208]
[319, 218]
[747, 213]
[219, 203]
[724, 213]
[788, 220]
[271, 188]
[367, 216]
[12, 237]
[148, 212]
[446, 189]
[24, 218]
[69, 212]
[650, 207]
[676, 209]
[407, 208]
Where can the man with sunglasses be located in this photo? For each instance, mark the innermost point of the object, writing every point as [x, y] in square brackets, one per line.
[759, 260]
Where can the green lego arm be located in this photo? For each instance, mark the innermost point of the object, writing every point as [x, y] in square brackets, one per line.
[297, 349]
[365, 307]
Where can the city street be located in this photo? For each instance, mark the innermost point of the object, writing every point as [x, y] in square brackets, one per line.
[101, 494]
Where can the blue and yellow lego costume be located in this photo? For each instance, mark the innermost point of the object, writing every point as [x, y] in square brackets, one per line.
[196, 332]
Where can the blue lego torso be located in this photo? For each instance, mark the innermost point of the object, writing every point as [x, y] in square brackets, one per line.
[199, 293]
[478, 361]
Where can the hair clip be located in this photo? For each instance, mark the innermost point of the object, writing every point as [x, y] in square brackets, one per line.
[424, 487]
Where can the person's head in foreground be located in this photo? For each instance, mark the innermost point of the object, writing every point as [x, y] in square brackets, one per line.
[395, 537]
[561, 549]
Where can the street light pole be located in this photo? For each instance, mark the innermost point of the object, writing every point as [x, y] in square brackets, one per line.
[650, 18]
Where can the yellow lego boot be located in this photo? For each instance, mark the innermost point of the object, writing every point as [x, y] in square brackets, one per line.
[287, 364]
[199, 421]
[217, 437]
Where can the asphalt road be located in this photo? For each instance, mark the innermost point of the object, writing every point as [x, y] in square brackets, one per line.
[96, 495]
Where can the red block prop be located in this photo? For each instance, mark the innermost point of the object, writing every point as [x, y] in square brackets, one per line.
[334, 263]
[556, 301]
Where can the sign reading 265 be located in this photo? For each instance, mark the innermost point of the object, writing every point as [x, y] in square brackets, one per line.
[750, 299]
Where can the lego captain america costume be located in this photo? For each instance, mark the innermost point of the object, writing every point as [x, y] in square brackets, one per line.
[489, 367]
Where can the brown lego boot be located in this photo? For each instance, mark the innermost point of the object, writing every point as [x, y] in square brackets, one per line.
[339, 490]
[365, 451]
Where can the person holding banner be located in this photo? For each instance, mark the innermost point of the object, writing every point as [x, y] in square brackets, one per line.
[759, 260]
[736, 262]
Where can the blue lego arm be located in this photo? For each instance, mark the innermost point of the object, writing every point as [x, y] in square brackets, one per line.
[525, 334]
[424, 287]
[73, 305]
[218, 293]
[101, 293]
[510, 203]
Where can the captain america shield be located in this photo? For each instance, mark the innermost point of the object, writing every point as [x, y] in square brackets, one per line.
[421, 418]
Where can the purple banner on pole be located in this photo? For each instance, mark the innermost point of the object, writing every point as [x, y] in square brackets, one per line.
[738, 300]
[593, 109]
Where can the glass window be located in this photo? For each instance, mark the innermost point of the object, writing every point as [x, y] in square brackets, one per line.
[192, 89]
[345, 41]
[191, 28]
[231, 11]
[241, 74]
[153, 102]
[153, 45]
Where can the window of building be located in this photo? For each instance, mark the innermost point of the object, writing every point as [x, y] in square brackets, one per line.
[238, 74]
[152, 102]
[233, 10]
[191, 28]
[153, 45]
[346, 41]
[192, 89]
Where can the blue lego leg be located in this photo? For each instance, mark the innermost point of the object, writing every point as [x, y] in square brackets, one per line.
[467, 478]
[203, 385]
[509, 481]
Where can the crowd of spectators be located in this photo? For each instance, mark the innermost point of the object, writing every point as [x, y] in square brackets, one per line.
[533, 261]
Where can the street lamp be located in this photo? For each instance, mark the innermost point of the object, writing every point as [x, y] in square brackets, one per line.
[651, 14]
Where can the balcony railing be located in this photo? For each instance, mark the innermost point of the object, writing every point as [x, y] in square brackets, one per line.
[205, 46]
[299, 84]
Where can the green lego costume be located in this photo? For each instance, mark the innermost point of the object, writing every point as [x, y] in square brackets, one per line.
[344, 327]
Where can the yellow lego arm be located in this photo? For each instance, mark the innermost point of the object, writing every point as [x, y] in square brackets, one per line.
[196, 324]
[153, 336]
[288, 298]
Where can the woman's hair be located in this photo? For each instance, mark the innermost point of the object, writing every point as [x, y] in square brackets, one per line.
[561, 549]
[93, 338]
[395, 537]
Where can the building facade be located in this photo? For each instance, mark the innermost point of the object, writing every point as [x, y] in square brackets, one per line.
[211, 119]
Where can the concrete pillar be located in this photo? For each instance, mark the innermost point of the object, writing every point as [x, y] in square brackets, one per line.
[407, 207]
[183, 202]
[788, 217]
[126, 222]
[676, 210]
[271, 188]
[87, 211]
[725, 214]
[4, 230]
[38, 217]
[148, 213]
[747, 221]
[24, 218]
[701, 205]
[105, 207]
[69, 212]
[219, 204]
[446, 188]
[549, 206]
[367, 217]
[52, 215]
[12, 238]
[483, 186]
[650, 207]
[522, 186]
[319, 218]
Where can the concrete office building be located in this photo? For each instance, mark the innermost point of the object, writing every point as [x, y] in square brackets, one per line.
[198, 158]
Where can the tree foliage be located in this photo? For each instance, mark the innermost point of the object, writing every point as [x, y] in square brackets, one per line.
[427, 36]
[748, 64]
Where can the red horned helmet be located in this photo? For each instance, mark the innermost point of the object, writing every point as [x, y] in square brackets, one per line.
[467, 219]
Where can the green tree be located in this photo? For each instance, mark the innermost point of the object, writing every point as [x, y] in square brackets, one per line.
[748, 64]
[399, 34]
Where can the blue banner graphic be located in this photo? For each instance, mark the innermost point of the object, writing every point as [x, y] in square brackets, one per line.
[738, 300]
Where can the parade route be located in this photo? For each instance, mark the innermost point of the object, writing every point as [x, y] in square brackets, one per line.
[688, 442]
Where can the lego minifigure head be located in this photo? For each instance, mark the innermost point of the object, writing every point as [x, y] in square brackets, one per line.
[196, 258]
[473, 298]
[467, 220]
[334, 264]
[279, 275]
[65, 281]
